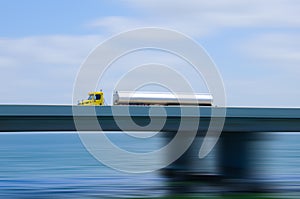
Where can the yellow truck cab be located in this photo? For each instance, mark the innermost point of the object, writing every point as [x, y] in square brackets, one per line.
[94, 99]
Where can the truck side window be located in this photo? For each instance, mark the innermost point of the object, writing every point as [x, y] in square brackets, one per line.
[98, 97]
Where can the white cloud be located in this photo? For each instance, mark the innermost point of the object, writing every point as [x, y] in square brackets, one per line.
[271, 75]
[280, 50]
[115, 24]
[55, 49]
[41, 69]
[7, 62]
[224, 13]
[202, 18]
[273, 90]
[207, 18]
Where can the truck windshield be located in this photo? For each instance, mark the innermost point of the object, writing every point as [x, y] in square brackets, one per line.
[91, 97]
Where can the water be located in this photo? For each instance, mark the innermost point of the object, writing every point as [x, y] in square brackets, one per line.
[56, 165]
[277, 160]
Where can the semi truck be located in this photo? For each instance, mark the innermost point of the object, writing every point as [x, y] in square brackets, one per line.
[94, 99]
[150, 98]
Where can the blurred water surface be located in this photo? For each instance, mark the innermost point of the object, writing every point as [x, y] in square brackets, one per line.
[56, 165]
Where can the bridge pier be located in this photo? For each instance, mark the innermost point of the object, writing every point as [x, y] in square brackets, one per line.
[231, 165]
[234, 156]
[184, 174]
[238, 161]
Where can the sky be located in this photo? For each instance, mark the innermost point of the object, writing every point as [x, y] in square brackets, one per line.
[254, 44]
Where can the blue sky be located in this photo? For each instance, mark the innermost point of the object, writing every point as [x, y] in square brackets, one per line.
[255, 44]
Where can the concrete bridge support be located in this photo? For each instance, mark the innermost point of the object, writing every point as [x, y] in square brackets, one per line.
[231, 165]
[233, 159]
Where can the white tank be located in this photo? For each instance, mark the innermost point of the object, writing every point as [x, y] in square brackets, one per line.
[161, 98]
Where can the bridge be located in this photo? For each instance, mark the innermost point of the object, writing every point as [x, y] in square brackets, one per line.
[21, 118]
[241, 125]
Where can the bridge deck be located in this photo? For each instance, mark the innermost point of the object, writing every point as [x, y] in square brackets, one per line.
[20, 118]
